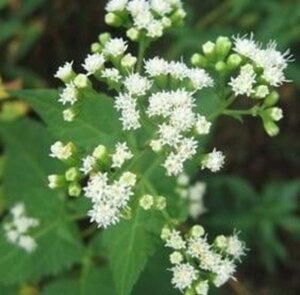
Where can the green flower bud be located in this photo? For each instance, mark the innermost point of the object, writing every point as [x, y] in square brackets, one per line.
[166, 22]
[56, 181]
[199, 60]
[160, 203]
[270, 127]
[221, 242]
[209, 48]
[223, 46]
[113, 20]
[96, 47]
[261, 91]
[70, 114]
[133, 34]
[82, 81]
[146, 202]
[274, 113]
[74, 189]
[190, 291]
[234, 61]
[197, 231]
[220, 66]
[104, 38]
[178, 16]
[72, 174]
[128, 61]
[271, 99]
[127, 213]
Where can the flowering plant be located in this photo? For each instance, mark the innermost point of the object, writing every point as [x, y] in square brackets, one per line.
[124, 158]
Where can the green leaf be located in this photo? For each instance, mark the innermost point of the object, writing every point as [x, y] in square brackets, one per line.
[93, 281]
[97, 122]
[25, 180]
[130, 244]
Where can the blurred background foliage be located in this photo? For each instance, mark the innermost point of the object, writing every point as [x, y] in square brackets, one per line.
[36, 36]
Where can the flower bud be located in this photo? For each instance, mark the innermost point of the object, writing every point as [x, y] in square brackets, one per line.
[199, 60]
[74, 189]
[220, 66]
[197, 231]
[113, 20]
[128, 178]
[176, 257]
[56, 181]
[166, 22]
[223, 46]
[127, 213]
[190, 291]
[146, 202]
[160, 203]
[261, 91]
[202, 288]
[274, 113]
[96, 47]
[100, 152]
[133, 34]
[233, 61]
[82, 81]
[271, 99]
[156, 145]
[221, 242]
[104, 38]
[69, 114]
[128, 61]
[270, 127]
[165, 233]
[209, 48]
[72, 174]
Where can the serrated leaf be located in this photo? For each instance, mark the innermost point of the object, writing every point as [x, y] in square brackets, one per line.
[25, 180]
[130, 244]
[97, 122]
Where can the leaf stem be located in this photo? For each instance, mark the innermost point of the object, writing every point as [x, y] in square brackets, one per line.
[141, 52]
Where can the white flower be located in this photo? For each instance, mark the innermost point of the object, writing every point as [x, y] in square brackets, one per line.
[93, 63]
[130, 116]
[156, 67]
[61, 151]
[214, 161]
[118, 194]
[178, 70]
[116, 5]
[155, 29]
[128, 178]
[244, 82]
[183, 276]
[199, 78]
[202, 125]
[235, 247]
[274, 76]
[245, 46]
[135, 7]
[104, 214]
[197, 191]
[65, 72]
[169, 135]
[143, 19]
[262, 91]
[182, 118]
[17, 231]
[187, 148]
[88, 164]
[27, 243]
[136, 84]
[112, 75]
[224, 272]
[173, 164]
[197, 247]
[161, 7]
[175, 241]
[115, 47]
[121, 155]
[69, 94]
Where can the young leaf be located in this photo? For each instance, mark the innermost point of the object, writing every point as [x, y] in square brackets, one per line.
[97, 122]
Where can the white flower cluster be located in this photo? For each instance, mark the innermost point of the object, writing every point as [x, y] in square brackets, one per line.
[193, 194]
[17, 231]
[109, 200]
[196, 263]
[147, 17]
[272, 62]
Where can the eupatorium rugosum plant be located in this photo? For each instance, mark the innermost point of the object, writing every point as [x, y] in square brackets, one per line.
[156, 124]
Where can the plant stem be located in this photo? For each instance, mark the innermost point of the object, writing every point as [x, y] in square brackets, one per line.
[224, 106]
[238, 112]
[141, 53]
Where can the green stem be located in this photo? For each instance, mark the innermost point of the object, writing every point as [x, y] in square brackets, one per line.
[238, 112]
[224, 106]
[141, 53]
